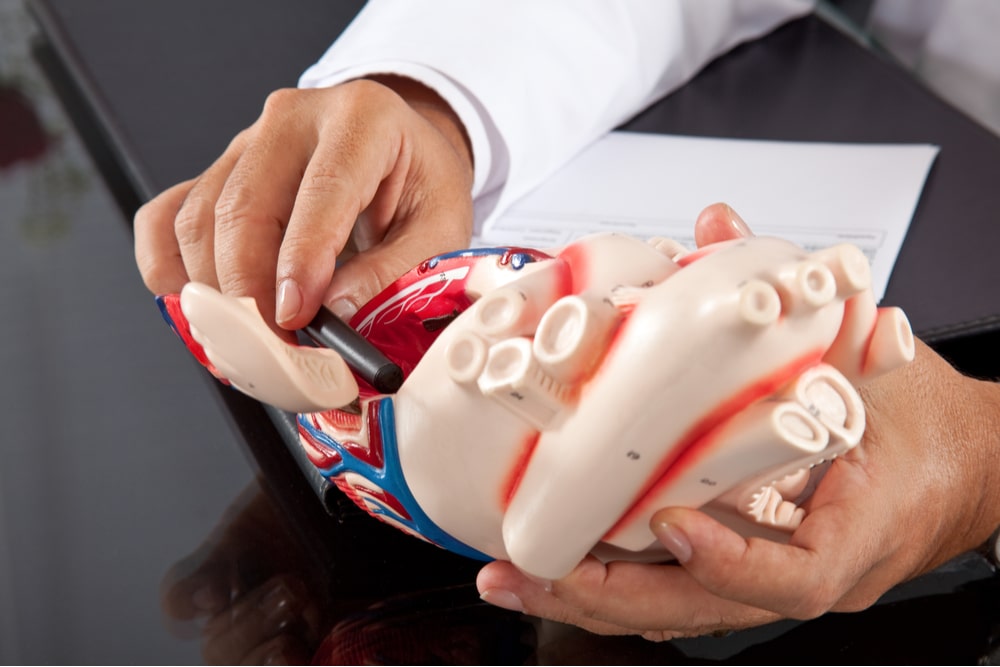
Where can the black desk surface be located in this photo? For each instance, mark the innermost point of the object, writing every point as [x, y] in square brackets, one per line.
[157, 89]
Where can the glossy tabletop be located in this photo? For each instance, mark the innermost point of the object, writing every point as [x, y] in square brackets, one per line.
[148, 515]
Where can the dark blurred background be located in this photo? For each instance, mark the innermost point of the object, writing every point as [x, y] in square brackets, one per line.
[115, 459]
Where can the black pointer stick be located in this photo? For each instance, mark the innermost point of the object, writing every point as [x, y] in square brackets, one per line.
[365, 359]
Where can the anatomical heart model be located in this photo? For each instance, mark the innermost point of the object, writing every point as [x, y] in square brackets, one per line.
[553, 401]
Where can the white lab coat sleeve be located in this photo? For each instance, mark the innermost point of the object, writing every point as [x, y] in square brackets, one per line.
[536, 81]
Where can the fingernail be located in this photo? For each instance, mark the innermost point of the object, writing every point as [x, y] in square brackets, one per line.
[289, 300]
[674, 539]
[279, 604]
[343, 309]
[503, 599]
[737, 222]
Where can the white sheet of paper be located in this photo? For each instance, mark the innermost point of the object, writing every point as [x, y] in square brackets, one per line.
[814, 194]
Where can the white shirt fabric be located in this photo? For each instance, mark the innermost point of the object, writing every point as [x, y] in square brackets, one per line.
[951, 44]
[536, 81]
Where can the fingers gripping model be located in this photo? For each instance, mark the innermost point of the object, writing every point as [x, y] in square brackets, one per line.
[554, 401]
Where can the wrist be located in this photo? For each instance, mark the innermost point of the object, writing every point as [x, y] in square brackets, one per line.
[987, 407]
[943, 429]
[972, 416]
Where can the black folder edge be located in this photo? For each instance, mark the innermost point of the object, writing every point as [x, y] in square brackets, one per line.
[74, 80]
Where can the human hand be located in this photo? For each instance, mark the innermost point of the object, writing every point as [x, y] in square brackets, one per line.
[919, 490]
[244, 592]
[270, 216]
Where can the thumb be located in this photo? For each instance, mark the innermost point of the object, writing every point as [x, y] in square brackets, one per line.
[745, 569]
[719, 222]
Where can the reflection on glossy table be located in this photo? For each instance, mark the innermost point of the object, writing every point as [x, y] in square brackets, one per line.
[129, 506]
[114, 460]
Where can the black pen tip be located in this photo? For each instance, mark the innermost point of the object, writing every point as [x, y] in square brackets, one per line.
[388, 379]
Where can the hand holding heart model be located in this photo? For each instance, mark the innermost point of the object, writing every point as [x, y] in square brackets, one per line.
[553, 401]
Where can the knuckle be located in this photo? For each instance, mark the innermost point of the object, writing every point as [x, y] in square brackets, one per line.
[155, 213]
[236, 212]
[146, 214]
[233, 210]
[156, 273]
[386, 272]
[857, 601]
[361, 109]
[159, 264]
[294, 248]
[282, 100]
[328, 182]
[364, 92]
[242, 281]
[816, 602]
[193, 222]
[726, 575]
[239, 142]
